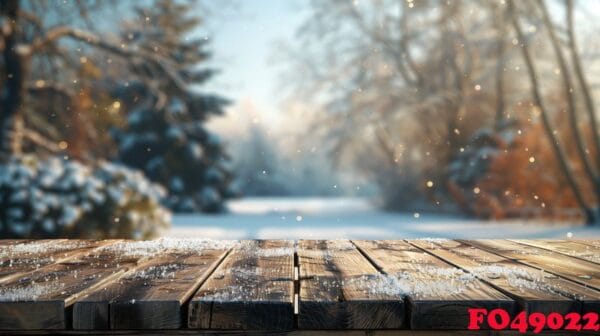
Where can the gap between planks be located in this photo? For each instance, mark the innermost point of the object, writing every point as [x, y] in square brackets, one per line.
[148, 307]
[252, 289]
[296, 284]
[429, 283]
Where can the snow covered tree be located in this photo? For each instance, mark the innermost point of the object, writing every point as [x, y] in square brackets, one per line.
[60, 197]
[258, 166]
[63, 198]
[164, 133]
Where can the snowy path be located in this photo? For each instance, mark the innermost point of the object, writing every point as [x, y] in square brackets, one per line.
[323, 218]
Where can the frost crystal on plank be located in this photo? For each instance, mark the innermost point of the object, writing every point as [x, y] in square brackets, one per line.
[340, 245]
[518, 278]
[38, 247]
[29, 292]
[434, 240]
[150, 248]
[253, 290]
[251, 248]
[275, 252]
[245, 273]
[156, 272]
[427, 282]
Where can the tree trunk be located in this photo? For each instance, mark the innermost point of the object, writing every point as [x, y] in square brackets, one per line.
[558, 152]
[500, 35]
[583, 85]
[11, 126]
[572, 105]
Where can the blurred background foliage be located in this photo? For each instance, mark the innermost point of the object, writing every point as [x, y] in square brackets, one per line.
[480, 108]
[486, 108]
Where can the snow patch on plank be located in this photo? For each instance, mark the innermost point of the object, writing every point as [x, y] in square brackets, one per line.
[521, 279]
[251, 248]
[38, 247]
[429, 281]
[31, 292]
[151, 248]
[156, 272]
[275, 252]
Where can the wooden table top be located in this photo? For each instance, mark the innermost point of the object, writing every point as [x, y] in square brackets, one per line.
[185, 286]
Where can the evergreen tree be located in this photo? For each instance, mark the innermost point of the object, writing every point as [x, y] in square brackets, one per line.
[164, 133]
[258, 167]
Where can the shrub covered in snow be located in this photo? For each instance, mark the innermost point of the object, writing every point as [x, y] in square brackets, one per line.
[64, 198]
[468, 171]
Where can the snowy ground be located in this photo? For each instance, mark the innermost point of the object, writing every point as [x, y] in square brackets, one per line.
[331, 218]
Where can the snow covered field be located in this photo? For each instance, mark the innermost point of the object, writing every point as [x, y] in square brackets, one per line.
[353, 218]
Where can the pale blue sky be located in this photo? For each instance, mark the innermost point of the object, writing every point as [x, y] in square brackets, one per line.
[245, 37]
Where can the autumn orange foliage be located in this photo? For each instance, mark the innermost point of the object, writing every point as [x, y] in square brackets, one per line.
[523, 178]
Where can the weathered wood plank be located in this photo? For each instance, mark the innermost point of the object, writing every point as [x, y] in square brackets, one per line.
[438, 293]
[150, 296]
[148, 284]
[19, 259]
[577, 270]
[571, 248]
[40, 299]
[534, 290]
[336, 289]
[253, 288]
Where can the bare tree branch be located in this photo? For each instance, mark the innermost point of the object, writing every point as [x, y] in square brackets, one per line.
[583, 84]
[114, 48]
[40, 140]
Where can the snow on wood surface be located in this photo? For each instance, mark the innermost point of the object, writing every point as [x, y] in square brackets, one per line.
[37, 247]
[28, 292]
[428, 282]
[150, 248]
[261, 274]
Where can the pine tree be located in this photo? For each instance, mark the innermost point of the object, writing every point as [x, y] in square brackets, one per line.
[165, 134]
[258, 167]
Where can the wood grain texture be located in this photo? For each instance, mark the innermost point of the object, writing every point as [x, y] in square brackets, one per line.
[438, 293]
[336, 292]
[571, 248]
[149, 296]
[580, 271]
[43, 298]
[251, 289]
[534, 290]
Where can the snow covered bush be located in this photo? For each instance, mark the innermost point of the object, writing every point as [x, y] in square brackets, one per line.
[469, 171]
[509, 173]
[64, 198]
